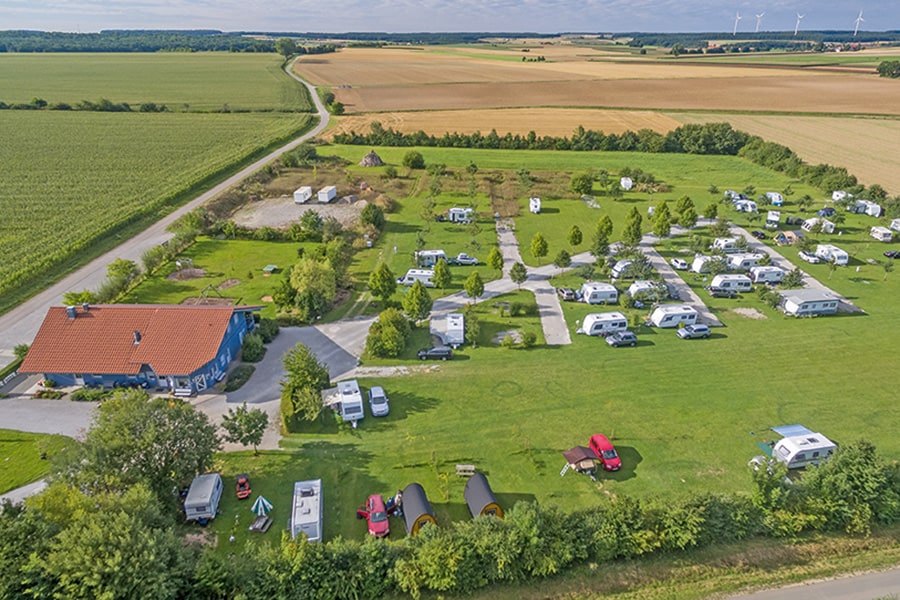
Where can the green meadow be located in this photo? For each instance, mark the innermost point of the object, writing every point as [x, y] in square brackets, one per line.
[21, 456]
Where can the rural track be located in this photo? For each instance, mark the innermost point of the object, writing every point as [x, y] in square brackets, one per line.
[21, 324]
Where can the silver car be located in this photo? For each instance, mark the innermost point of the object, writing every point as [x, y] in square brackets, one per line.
[378, 402]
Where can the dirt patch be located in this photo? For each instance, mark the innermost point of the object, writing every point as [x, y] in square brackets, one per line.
[186, 274]
[750, 313]
[202, 539]
[195, 301]
[227, 284]
[393, 371]
[267, 299]
[515, 334]
[282, 211]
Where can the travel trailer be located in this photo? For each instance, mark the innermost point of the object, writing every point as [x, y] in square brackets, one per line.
[672, 315]
[593, 292]
[801, 447]
[768, 274]
[603, 324]
[306, 511]
[327, 194]
[743, 261]
[830, 253]
[728, 284]
[414, 275]
[202, 500]
[808, 303]
[882, 234]
[460, 215]
[703, 263]
[726, 245]
[450, 328]
[429, 258]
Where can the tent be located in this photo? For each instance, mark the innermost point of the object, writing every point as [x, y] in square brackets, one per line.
[261, 506]
[416, 509]
[480, 498]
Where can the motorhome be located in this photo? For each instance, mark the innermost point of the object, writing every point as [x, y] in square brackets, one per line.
[534, 205]
[830, 253]
[593, 292]
[306, 511]
[302, 194]
[426, 276]
[603, 324]
[202, 501]
[743, 261]
[767, 274]
[729, 284]
[672, 315]
[429, 258]
[726, 245]
[801, 447]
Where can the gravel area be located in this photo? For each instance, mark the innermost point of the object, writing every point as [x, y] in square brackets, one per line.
[282, 211]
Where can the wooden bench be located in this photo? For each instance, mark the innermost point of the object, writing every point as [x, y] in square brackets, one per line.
[465, 470]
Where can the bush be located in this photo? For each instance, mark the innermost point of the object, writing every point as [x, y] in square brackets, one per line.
[238, 377]
[253, 350]
[388, 335]
[91, 395]
[268, 330]
[529, 339]
[414, 160]
[372, 215]
[585, 271]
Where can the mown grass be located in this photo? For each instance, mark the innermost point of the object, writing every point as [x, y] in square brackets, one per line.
[183, 81]
[20, 455]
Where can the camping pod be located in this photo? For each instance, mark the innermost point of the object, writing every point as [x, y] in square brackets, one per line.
[416, 509]
[480, 498]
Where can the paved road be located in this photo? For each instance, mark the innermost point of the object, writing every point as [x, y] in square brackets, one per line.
[20, 325]
[885, 584]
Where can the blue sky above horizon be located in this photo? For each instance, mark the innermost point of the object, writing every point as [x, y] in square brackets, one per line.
[540, 16]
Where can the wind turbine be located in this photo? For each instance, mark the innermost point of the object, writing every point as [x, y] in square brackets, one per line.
[758, 19]
[859, 20]
[797, 26]
[737, 18]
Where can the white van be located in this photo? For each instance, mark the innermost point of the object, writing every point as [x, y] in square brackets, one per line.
[414, 275]
[767, 274]
[603, 324]
[429, 258]
[622, 269]
[593, 292]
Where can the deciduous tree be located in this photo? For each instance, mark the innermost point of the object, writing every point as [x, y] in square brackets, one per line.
[518, 273]
[575, 237]
[442, 276]
[539, 247]
[495, 260]
[245, 427]
[632, 234]
[474, 286]
[417, 302]
[563, 259]
[382, 282]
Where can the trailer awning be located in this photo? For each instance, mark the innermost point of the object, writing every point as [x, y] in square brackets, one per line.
[792, 430]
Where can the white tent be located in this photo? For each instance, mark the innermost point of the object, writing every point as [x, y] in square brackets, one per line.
[261, 506]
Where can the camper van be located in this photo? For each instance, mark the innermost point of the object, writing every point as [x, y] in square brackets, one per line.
[603, 324]
[351, 401]
[534, 205]
[414, 275]
[727, 285]
[801, 447]
[429, 258]
[703, 263]
[743, 261]
[768, 274]
[726, 245]
[593, 292]
[202, 500]
[671, 315]
[830, 253]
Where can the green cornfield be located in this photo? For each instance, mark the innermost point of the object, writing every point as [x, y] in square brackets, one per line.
[69, 178]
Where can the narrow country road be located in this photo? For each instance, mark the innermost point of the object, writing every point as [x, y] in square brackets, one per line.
[20, 325]
[883, 584]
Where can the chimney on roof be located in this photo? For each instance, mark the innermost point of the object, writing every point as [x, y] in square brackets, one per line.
[70, 312]
[85, 307]
[137, 337]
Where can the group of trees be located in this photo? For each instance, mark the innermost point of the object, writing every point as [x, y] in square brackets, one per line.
[889, 68]
[305, 378]
[102, 105]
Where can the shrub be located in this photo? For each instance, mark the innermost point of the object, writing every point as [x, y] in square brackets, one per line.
[372, 215]
[253, 350]
[91, 395]
[529, 339]
[267, 329]
[388, 335]
[238, 377]
[414, 160]
[508, 341]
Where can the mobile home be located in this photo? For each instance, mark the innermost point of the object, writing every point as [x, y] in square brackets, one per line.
[460, 215]
[327, 194]
[726, 245]
[302, 194]
[808, 303]
[603, 324]
[743, 261]
[830, 253]
[730, 283]
[672, 315]
[767, 274]
[449, 328]
[827, 226]
[801, 447]
[882, 234]
[429, 258]
[413, 275]
[306, 512]
[703, 263]
[534, 204]
[593, 292]
[202, 501]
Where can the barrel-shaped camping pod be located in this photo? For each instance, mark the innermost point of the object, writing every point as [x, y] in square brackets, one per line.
[480, 498]
[416, 509]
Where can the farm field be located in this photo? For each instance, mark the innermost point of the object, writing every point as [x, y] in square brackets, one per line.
[868, 148]
[200, 81]
[72, 177]
[543, 121]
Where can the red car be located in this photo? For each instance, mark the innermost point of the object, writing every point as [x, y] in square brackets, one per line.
[605, 452]
[242, 487]
[376, 516]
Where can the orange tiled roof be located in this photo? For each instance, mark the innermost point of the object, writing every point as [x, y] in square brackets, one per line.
[174, 340]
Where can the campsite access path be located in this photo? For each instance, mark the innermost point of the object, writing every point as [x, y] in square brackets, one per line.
[20, 325]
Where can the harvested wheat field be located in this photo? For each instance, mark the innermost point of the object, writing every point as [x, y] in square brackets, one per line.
[868, 148]
[826, 93]
[543, 121]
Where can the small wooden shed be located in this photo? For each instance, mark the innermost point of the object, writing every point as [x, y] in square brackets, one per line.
[416, 509]
[480, 498]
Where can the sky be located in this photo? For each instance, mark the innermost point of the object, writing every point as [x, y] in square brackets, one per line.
[540, 16]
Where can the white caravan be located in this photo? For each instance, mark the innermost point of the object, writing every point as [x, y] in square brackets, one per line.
[703, 263]
[327, 194]
[302, 194]
[414, 275]
[672, 315]
[730, 283]
[429, 258]
[593, 292]
[603, 324]
[768, 274]
[801, 447]
[726, 245]
[743, 261]
[830, 253]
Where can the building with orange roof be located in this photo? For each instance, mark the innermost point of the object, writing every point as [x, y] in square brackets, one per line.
[183, 349]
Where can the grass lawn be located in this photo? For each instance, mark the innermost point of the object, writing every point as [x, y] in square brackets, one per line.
[20, 455]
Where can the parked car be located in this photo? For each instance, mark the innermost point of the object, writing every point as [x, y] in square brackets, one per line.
[810, 257]
[892, 253]
[436, 353]
[622, 338]
[378, 402]
[606, 452]
[464, 259]
[679, 264]
[375, 515]
[567, 294]
[717, 292]
[690, 332]
[760, 235]
[242, 486]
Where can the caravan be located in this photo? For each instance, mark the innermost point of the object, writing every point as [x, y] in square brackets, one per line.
[743, 261]
[202, 501]
[603, 324]
[302, 194]
[449, 328]
[593, 292]
[726, 245]
[672, 315]
[882, 234]
[622, 268]
[414, 275]
[767, 274]
[728, 285]
[703, 263]
[801, 447]
[773, 218]
[429, 258]
[461, 215]
[830, 253]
